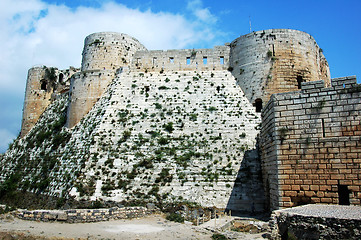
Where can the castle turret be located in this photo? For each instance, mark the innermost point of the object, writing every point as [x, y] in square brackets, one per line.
[109, 51]
[37, 98]
[42, 82]
[103, 54]
[274, 61]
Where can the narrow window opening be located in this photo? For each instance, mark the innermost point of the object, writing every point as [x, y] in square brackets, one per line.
[43, 85]
[299, 81]
[323, 127]
[204, 60]
[273, 50]
[171, 59]
[258, 104]
[61, 77]
[188, 60]
[221, 60]
[343, 195]
[154, 61]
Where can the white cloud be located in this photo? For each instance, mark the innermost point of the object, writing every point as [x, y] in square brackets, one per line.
[34, 32]
[202, 14]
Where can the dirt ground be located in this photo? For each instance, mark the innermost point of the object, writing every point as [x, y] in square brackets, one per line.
[152, 227]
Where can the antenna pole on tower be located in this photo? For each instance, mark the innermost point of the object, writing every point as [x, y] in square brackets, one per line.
[250, 26]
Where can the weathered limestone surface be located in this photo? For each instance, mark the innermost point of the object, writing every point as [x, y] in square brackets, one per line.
[213, 128]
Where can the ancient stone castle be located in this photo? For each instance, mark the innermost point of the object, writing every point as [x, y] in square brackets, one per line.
[254, 124]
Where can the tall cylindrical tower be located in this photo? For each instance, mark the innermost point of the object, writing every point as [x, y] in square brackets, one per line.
[103, 54]
[276, 60]
[108, 51]
[37, 98]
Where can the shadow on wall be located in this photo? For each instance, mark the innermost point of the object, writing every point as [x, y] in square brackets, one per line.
[247, 195]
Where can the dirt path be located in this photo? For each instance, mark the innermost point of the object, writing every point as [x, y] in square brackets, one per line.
[152, 227]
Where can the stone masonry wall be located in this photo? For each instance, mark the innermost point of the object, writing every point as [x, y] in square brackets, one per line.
[84, 215]
[182, 60]
[272, 61]
[311, 145]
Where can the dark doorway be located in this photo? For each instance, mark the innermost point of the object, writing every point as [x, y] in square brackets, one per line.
[343, 195]
[61, 78]
[299, 81]
[43, 85]
[258, 105]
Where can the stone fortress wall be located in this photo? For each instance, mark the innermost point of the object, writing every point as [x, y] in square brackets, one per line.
[262, 63]
[311, 145]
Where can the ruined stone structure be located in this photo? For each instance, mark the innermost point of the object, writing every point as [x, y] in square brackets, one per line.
[311, 145]
[43, 84]
[207, 104]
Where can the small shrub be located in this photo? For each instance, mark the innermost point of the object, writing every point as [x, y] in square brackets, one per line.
[269, 53]
[163, 141]
[218, 236]
[169, 127]
[158, 105]
[175, 217]
[212, 109]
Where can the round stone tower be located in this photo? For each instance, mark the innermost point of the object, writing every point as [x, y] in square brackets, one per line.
[37, 98]
[108, 51]
[276, 60]
[104, 54]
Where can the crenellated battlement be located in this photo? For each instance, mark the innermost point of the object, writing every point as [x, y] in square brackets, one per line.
[216, 58]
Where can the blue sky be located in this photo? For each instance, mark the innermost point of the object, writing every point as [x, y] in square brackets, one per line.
[51, 32]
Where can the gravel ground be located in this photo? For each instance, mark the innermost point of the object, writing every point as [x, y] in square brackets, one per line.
[152, 227]
[326, 211]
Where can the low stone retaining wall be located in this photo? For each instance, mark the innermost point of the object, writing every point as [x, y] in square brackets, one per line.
[316, 221]
[84, 215]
